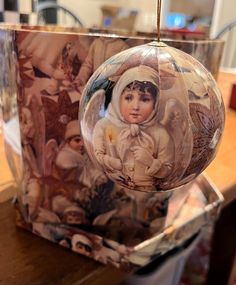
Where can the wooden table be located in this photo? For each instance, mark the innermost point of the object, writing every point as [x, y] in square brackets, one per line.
[222, 173]
[30, 260]
[26, 259]
[6, 179]
[222, 170]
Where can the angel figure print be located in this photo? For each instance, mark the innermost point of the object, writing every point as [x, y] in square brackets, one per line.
[136, 120]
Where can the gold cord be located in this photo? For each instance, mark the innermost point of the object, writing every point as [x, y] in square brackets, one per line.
[158, 20]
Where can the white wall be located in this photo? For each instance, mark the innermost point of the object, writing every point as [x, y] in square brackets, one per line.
[193, 7]
[87, 10]
[224, 13]
[90, 13]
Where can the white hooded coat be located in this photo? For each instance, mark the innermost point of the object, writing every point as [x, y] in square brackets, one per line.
[113, 138]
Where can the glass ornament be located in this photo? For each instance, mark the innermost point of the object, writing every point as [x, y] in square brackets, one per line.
[152, 117]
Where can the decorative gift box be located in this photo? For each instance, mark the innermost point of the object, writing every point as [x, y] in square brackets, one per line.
[188, 215]
[62, 195]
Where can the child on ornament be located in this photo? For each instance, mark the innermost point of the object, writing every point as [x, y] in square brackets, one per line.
[128, 142]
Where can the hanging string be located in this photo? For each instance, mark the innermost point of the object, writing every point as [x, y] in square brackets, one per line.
[158, 20]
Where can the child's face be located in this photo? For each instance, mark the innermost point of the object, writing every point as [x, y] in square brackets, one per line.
[76, 143]
[136, 106]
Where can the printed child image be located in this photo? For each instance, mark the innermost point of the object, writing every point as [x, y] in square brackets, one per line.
[127, 139]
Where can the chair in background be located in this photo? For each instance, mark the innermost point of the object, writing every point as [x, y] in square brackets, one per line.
[226, 29]
[51, 13]
[228, 34]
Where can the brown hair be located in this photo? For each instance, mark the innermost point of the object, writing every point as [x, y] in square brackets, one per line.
[144, 86]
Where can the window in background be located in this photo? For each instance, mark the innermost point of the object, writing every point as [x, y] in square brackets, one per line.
[175, 20]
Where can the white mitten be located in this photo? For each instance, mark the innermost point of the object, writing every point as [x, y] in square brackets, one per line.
[142, 155]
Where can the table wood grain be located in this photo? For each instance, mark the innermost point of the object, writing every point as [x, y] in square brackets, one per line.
[222, 171]
[26, 259]
[6, 179]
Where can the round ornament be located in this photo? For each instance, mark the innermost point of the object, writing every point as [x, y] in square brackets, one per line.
[152, 117]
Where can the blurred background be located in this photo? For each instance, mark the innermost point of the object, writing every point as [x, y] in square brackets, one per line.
[186, 21]
[182, 19]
